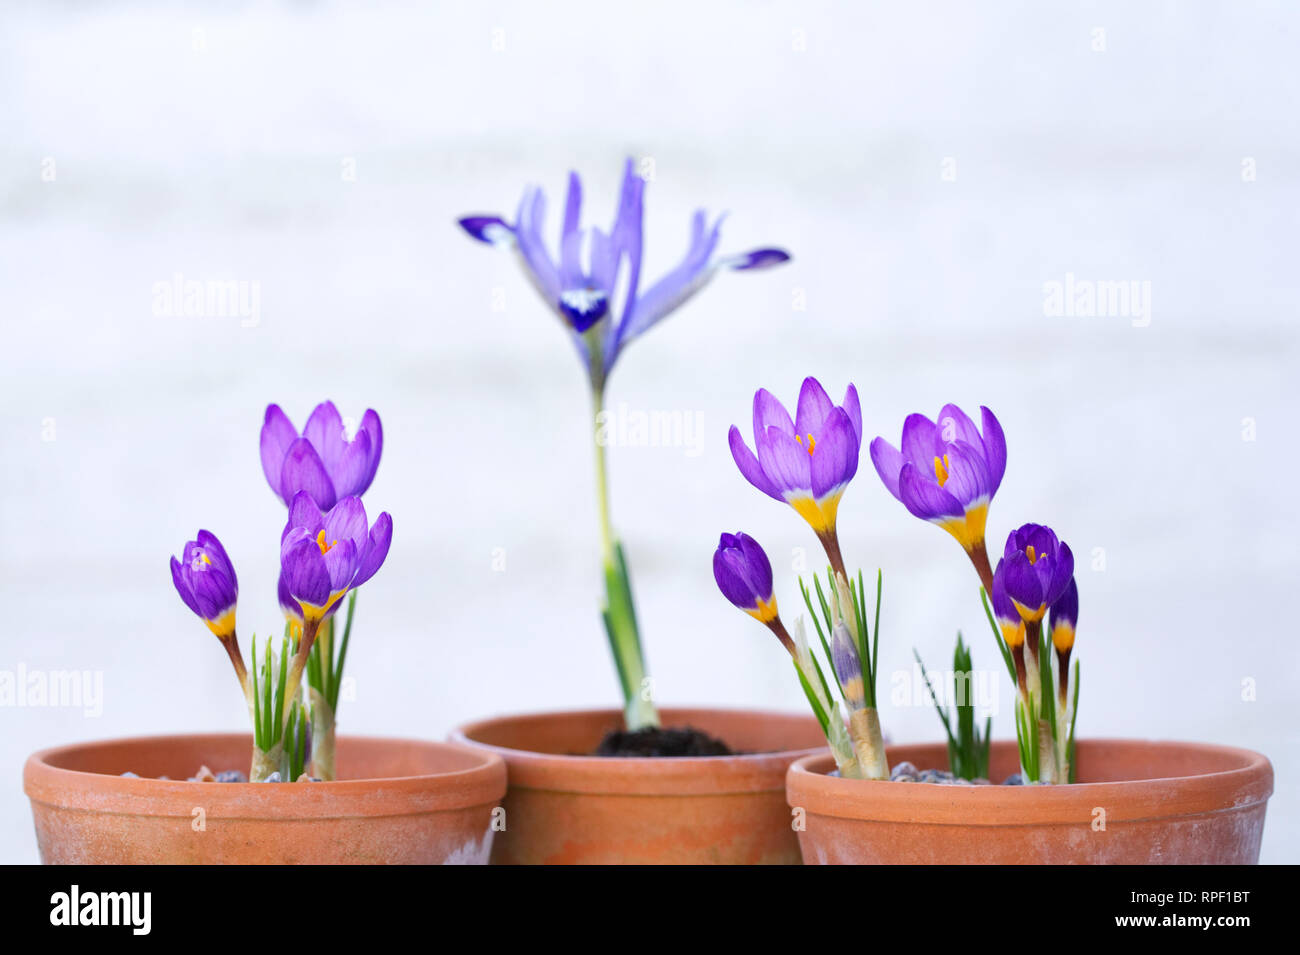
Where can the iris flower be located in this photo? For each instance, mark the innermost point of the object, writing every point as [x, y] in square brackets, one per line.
[324, 555]
[579, 283]
[807, 461]
[323, 460]
[946, 472]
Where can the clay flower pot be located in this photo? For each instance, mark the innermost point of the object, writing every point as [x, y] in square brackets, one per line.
[566, 807]
[1137, 802]
[401, 801]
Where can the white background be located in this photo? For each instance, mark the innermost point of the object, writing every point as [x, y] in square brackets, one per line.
[211, 143]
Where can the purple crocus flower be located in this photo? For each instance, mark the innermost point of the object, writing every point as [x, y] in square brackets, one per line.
[323, 460]
[947, 471]
[1036, 568]
[580, 286]
[808, 461]
[1064, 617]
[290, 607]
[324, 555]
[206, 581]
[744, 575]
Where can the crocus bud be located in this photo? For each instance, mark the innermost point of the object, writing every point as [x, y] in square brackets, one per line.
[205, 580]
[1037, 567]
[1004, 609]
[1064, 618]
[848, 666]
[744, 575]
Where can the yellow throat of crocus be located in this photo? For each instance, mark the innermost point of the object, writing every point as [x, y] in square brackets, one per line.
[223, 626]
[969, 528]
[820, 513]
[764, 611]
[1012, 632]
[1063, 637]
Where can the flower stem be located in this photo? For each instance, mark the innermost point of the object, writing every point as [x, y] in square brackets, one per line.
[868, 743]
[979, 556]
[619, 611]
[309, 628]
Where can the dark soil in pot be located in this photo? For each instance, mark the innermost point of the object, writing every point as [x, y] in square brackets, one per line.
[671, 741]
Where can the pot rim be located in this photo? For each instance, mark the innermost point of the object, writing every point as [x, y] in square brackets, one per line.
[642, 775]
[46, 783]
[1247, 784]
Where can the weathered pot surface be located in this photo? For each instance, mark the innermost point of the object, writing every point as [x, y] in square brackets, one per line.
[1136, 802]
[565, 807]
[399, 801]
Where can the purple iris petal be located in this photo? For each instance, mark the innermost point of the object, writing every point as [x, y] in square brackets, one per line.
[490, 229]
[757, 259]
[583, 293]
[742, 571]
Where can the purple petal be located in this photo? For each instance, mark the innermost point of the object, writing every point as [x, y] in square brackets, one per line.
[305, 575]
[1065, 609]
[853, 408]
[814, 407]
[376, 550]
[889, 464]
[278, 434]
[183, 587]
[490, 229]
[968, 479]
[347, 521]
[303, 470]
[835, 460]
[217, 554]
[924, 498]
[288, 604]
[770, 413]
[341, 562]
[214, 592]
[324, 429]
[785, 461]
[1003, 608]
[1062, 573]
[304, 515]
[955, 425]
[372, 426]
[352, 473]
[756, 259]
[919, 441]
[749, 466]
[1022, 582]
[672, 291]
[995, 449]
[537, 261]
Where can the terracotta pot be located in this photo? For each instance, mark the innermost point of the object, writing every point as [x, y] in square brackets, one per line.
[565, 807]
[400, 801]
[1170, 803]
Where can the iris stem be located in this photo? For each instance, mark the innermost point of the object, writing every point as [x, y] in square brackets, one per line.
[619, 612]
